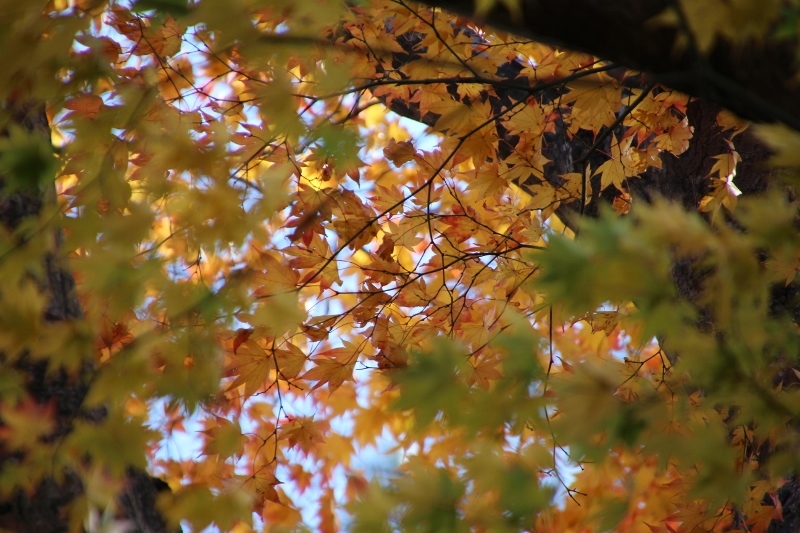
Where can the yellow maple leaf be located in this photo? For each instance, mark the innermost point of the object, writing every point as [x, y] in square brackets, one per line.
[251, 364]
[456, 118]
[289, 360]
[530, 120]
[486, 181]
[612, 172]
[334, 367]
[605, 321]
[676, 139]
[725, 164]
[273, 276]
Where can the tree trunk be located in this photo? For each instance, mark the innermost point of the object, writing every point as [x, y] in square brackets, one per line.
[41, 509]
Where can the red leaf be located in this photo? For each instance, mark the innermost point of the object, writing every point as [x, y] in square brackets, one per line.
[242, 334]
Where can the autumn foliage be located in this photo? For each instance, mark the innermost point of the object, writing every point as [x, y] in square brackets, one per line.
[377, 267]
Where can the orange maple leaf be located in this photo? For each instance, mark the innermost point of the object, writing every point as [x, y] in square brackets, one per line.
[485, 371]
[303, 431]
[334, 367]
[399, 152]
[263, 484]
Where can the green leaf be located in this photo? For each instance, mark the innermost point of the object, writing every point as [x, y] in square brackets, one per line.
[338, 144]
[168, 7]
[27, 161]
[116, 443]
[434, 384]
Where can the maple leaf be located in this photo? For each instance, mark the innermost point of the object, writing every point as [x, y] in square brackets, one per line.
[676, 139]
[334, 367]
[784, 266]
[224, 438]
[263, 484]
[399, 152]
[543, 197]
[353, 220]
[86, 105]
[612, 171]
[26, 423]
[725, 164]
[605, 321]
[251, 366]
[532, 120]
[301, 477]
[487, 181]
[723, 194]
[242, 334]
[303, 431]
[480, 145]
[389, 198]
[457, 118]
[473, 329]
[308, 254]
[484, 372]
[414, 294]
[460, 226]
[274, 277]
[280, 515]
[289, 360]
[595, 106]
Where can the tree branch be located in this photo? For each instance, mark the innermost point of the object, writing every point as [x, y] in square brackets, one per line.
[754, 80]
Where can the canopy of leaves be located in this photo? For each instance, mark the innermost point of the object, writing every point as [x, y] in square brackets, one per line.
[305, 230]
